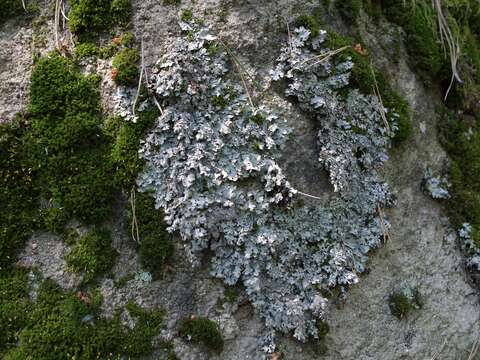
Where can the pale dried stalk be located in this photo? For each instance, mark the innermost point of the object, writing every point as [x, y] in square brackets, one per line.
[325, 56]
[240, 72]
[437, 354]
[24, 6]
[475, 350]
[376, 92]
[135, 231]
[142, 70]
[446, 37]
[386, 234]
[308, 195]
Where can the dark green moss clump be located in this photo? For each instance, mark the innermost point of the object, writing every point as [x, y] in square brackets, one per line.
[93, 254]
[403, 302]
[65, 143]
[156, 247]
[125, 67]
[461, 139]
[204, 331]
[18, 192]
[172, 2]
[63, 326]
[349, 9]
[98, 15]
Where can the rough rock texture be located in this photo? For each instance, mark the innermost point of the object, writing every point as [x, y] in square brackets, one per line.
[423, 250]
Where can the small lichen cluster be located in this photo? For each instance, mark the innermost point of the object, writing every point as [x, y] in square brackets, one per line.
[212, 165]
[468, 234]
[436, 187]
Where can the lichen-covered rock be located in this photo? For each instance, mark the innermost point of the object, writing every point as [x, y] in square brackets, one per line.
[211, 162]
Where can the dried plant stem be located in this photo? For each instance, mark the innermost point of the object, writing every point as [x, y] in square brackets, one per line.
[240, 71]
[386, 234]
[325, 56]
[308, 195]
[447, 37]
[142, 71]
[135, 231]
[377, 93]
[475, 350]
[24, 6]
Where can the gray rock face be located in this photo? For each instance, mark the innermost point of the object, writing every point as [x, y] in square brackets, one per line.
[423, 250]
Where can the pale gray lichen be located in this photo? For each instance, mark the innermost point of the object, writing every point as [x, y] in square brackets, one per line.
[436, 187]
[471, 248]
[211, 162]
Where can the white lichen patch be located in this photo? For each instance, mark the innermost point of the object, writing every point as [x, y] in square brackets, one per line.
[212, 165]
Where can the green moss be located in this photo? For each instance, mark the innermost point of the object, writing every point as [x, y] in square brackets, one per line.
[65, 143]
[18, 192]
[172, 2]
[85, 50]
[204, 331]
[10, 8]
[258, 118]
[125, 65]
[98, 15]
[93, 254]
[62, 326]
[156, 247]
[54, 219]
[310, 23]
[349, 9]
[403, 302]
[461, 140]
[187, 15]
[126, 137]
[14, 306]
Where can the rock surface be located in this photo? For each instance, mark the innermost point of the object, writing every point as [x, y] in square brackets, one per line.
[422, 252]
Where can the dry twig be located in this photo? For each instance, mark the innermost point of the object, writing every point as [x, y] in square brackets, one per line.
[135, 231]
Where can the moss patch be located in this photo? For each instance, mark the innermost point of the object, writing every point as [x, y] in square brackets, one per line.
[403, 302]
[63, 325]
[204, 331]
[18, 193]
[93, 254]
[156, 247]
[65, 144]
[98, 15]
[125, 67]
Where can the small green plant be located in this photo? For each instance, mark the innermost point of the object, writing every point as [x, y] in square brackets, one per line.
[125, 67]
[204, 331]
[93, 254]
[403, 302]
